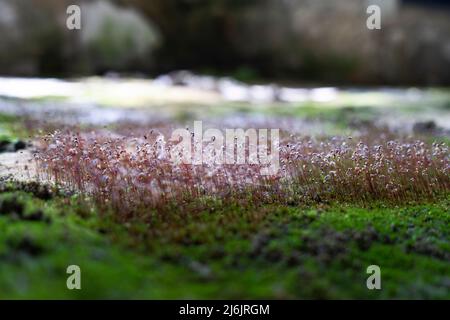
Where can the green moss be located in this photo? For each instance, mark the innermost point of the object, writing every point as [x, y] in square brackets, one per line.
[8, 128]
[225, 252]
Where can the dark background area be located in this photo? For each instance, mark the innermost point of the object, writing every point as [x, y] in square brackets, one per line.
[442, 3]
[317, 41]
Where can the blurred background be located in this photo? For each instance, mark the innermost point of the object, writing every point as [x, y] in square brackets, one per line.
[293, 41]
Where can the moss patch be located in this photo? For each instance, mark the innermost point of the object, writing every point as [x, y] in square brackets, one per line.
[227, 252]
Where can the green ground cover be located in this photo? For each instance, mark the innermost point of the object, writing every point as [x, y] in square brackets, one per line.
[227, 250]
[270, 251]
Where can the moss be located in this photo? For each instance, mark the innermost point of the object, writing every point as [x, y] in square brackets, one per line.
[231, 252]
[12, 130]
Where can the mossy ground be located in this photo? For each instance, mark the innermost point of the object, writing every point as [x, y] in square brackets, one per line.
[8, 126]
[227, 252]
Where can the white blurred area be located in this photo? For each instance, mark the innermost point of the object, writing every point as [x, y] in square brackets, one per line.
[187, 88]
[233, 90]
[103, 100]
[180, 87]
[34, 88]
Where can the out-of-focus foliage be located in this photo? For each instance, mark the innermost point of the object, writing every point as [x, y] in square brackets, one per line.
[36, 41]
[316, 40]
[307, 40]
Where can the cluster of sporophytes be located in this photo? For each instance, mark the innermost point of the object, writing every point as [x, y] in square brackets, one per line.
[130, 174]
